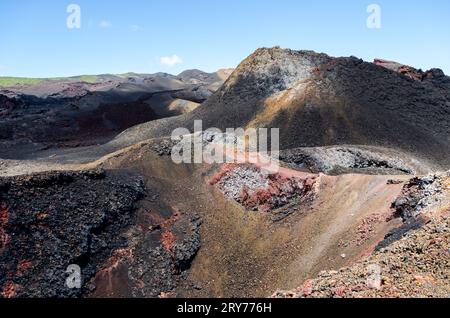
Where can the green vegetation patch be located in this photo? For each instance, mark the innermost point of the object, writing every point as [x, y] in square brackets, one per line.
[11, 81]
[7, 81]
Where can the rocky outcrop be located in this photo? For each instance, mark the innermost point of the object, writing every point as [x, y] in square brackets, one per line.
[411, 72]
[421, 194]
[92, 220]
[256, 190]
[52, 220]
[352, 159]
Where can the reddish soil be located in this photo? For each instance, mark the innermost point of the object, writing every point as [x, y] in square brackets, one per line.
[4, 217]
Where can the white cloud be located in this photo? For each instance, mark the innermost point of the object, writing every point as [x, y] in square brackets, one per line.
[136, 27]
[170, 60]
[3, 68]
[104, 24]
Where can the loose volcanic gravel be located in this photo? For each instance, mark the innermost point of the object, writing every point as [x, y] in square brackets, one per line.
[416, 266]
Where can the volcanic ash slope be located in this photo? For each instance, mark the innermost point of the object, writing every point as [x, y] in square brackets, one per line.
[318, 100]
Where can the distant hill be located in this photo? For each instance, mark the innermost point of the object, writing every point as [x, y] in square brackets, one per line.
[90, 109]
[196, 76]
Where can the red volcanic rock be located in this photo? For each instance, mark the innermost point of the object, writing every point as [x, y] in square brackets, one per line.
[4, 217]
[258, 191]
[168, 238]
[406, 70]
[23, 267]
[10, 290]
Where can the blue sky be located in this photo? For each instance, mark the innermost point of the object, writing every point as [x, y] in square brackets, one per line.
[135, 35]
